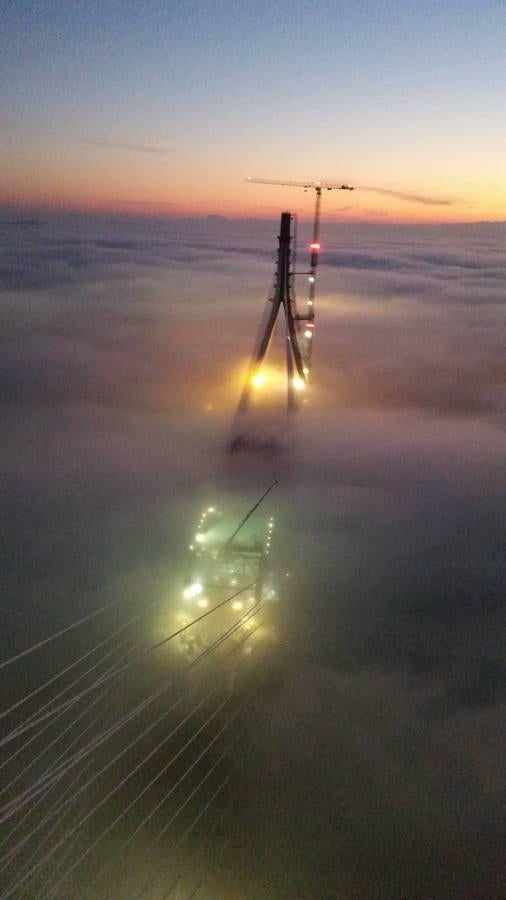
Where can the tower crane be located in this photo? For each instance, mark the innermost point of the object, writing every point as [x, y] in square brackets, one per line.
[298, 336]
[309, 316]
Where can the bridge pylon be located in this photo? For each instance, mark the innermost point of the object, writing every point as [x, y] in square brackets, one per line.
[297, 354]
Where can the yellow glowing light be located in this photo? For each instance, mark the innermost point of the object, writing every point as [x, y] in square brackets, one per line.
[200, 538]
[308, 333]
[210, 509]
[193, 590]
[299, 384]
[238, 604]
[203, 602]
[305, 370]
[270, 378]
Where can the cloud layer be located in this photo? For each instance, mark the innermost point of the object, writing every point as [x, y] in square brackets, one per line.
[373, 763]
[133, 148]
[408, 197]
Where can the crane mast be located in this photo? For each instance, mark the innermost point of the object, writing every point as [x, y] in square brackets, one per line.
[298, 326]
[309, 316]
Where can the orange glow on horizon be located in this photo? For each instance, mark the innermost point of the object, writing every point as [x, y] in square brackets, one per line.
[158, 194]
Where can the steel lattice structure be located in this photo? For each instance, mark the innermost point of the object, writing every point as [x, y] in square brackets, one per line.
[299, 327]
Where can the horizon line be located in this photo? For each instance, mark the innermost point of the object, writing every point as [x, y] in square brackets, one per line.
[42, 210]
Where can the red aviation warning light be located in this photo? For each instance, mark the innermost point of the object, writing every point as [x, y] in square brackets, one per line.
[314, 248]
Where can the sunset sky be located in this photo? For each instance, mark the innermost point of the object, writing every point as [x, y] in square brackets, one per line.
[166, 107]
[137, 272]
